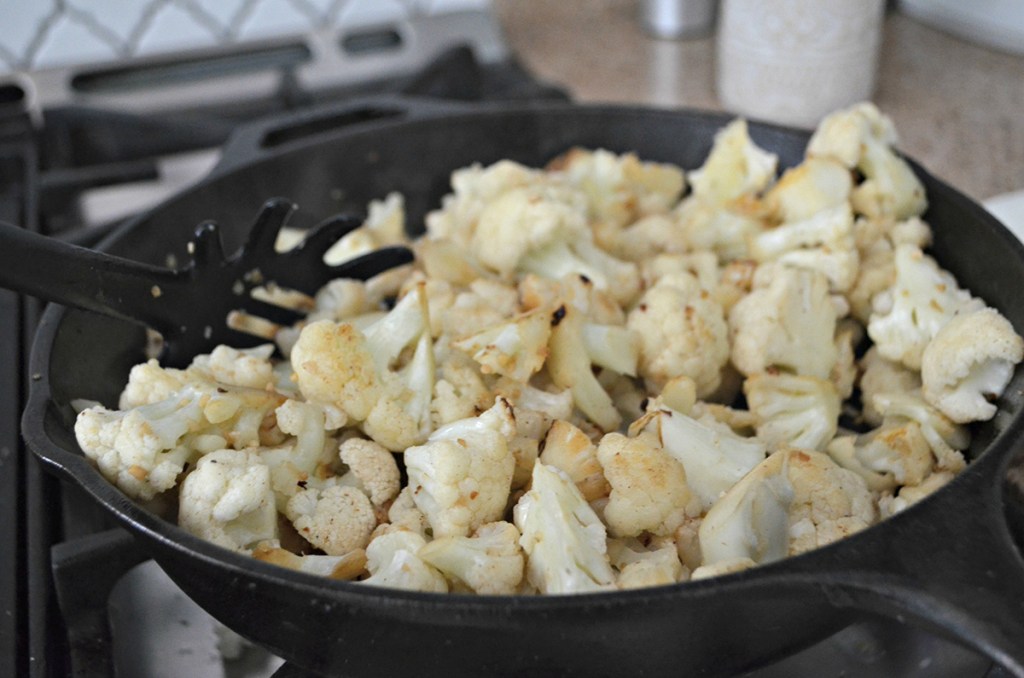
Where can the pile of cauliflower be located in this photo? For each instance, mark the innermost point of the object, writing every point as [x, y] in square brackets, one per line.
[601, 375]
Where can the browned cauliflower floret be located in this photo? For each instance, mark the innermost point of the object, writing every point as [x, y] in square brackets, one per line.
[649, 490]
[682, 332]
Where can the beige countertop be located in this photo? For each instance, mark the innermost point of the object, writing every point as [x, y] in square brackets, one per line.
[958, 107]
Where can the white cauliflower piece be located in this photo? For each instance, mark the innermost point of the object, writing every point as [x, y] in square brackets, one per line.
[713, 456]
[620, 188]
[461, 477]
[308, 457]
[735, 167]
[794, 501]
[337, 519]
[879, 375]
[570, 368]
[372, 468]
[786, 322]
[794, 410]
[249, 367]
[894, 454]
[682, 332]
[227, 500]
[815, 185]
[486, 303]
[861, 137]
[568, 449]
[922, 300]
[640, 566]
[649, 491]
[474, 188]
[345, 567]
[908, 495]
[149, 383]
[945, 437]
[724, 230]
[515, 348]
[968, 364]
[144, 449]
[393, 562]
[751, 520]
[490, 562]
[564, 540]
[459, 392]
[822, 242]
[403, 514]
[333, 365]
[829, 502]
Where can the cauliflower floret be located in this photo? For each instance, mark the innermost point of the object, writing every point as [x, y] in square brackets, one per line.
[249, 367]
[879, 375]
[724, 230]
[945, 437]
[150, 383]
[620, 188]
[570, 450]
[333, 365]
[751, 520]
[682, 332]
[639, 566]
[794, 410]
[889, 505]
[461, 477]
[564, 540]
[459, 392]
[814, 185]
[490, 562]
[570, 368]
[336, 519]
[649, 491]
[735, 167]
[821, 242]
[309, 457]
[896, 453]
[969, 363]
[403, 514]
[143, 450]
[829, 502]
[877, 240]
[516, 348]
[359, 372]
[344, 567]
[474, 188]
[713, 456]
[393, 562]
[922, 300]
[861, 137]
[372, 468]
[486, 303]
[795, 500]
[786, 322]
[227, 500]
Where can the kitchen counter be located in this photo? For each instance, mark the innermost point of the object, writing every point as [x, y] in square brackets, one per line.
[958, 107]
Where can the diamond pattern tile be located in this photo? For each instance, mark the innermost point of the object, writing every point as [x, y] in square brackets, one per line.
[38, 34]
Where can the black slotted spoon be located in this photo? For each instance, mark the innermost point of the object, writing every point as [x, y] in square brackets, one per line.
[190, 306]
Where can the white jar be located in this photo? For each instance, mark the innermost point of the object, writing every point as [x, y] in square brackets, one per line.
[793, 61]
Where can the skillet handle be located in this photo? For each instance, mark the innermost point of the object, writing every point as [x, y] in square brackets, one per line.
[249, 143]
[949, 564]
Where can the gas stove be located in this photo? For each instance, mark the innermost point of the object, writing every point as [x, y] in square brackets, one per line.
[77, 595]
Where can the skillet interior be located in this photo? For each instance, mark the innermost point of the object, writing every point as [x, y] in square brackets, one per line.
[705, 627]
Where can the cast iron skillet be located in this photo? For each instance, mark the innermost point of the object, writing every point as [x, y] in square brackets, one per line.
[948, 563]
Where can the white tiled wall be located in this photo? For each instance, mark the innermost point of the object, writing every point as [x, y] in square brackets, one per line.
[38, 34]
